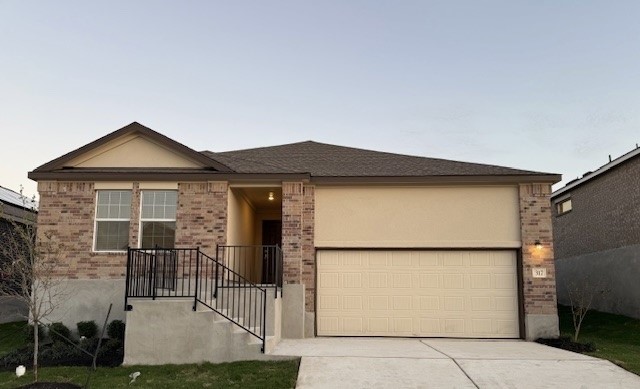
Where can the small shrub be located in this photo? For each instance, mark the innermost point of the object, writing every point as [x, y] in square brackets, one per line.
[115, 330]
[88, 329]
[56, 332]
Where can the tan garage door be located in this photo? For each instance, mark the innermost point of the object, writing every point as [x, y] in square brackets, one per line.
[466, 294]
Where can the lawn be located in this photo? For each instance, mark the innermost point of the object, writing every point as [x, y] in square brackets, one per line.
[617, 338]
[12, 336]
[246, 374]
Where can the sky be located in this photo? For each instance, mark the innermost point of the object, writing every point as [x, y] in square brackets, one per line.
[550, 86]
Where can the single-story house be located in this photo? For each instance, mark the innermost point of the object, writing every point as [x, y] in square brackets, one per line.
[596, 220]
[298, 240]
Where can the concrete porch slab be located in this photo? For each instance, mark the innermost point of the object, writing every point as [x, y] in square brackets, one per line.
[500, 349]
[356, 347]
[357, 372]
[566, 374]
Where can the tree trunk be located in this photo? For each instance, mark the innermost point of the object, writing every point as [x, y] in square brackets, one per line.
[35, 350]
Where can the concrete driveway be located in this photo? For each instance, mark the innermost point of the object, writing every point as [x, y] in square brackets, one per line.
[445, 363]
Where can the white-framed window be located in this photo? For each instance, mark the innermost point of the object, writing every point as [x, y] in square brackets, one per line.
[563, 206]
[158, 218]
[113, 215]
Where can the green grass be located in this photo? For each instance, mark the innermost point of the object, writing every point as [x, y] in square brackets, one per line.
[617, 337]
[246, 374]
[12, 336]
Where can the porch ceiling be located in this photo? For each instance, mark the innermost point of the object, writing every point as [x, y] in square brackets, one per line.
[259, 198]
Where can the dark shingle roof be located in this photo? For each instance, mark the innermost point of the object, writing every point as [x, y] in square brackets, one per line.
[325, 160]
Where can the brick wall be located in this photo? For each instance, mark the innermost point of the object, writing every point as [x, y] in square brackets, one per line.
[202, 215]
[67, 215]
[292, 207]
[66, 212]
[308, 247]
[605, 213]
[535, 223]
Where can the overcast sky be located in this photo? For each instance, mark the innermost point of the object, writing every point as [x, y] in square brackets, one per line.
[541, 85]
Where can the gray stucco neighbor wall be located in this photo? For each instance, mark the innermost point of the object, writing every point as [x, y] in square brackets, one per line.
[618, 269]
[83, 300]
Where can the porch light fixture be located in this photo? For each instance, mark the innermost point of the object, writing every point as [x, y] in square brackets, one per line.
[271, 196]
[538, 245]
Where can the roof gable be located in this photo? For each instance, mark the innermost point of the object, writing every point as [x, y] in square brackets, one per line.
[133, 146]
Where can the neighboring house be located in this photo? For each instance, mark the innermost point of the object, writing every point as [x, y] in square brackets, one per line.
[15, 212]
[304, 239]
[596, 222]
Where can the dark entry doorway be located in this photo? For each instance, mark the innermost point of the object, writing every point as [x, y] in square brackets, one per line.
[271, 236]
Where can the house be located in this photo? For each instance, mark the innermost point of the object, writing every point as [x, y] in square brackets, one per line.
[596, 221]
[297, 240]
[16, 211]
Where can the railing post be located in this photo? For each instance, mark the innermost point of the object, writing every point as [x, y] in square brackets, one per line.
[152, 274]
[195, 294]
[126, 281]
[264, 320]
[276, 278]
[215, 282]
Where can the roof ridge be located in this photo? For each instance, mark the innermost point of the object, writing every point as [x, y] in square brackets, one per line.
[225, 153]
[236, 158]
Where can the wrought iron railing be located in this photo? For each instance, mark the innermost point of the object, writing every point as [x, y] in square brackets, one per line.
[225, 284]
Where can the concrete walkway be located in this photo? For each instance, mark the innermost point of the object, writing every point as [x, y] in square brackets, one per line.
[445, 363]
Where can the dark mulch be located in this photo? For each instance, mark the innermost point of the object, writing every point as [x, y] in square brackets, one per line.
[566, 343]
[50, 385]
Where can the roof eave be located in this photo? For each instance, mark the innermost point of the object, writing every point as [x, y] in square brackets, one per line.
[457, 179]
[162, 175]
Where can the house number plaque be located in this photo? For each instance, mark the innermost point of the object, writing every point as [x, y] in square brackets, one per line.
[539, 272]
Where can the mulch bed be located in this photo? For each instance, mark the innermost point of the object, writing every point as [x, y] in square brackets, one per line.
[50, 385]
[566, 343]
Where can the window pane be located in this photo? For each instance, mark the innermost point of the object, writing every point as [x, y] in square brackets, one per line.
[102, 211]
[147, 211]
[159, 204]
[170, 212]
[161, 234]
[112, 235]
[103, 197]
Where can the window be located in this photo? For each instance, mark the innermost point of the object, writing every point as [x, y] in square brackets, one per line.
[563, 206]
[158, 218]
[113, 213]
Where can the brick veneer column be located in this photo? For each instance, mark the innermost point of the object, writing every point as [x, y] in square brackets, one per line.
[540, 309]
[202, 215]
[292, 211]
[308, 247]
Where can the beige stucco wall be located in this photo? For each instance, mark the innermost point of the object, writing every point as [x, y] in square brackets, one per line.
[132, 151]
[241, 232]
[434, 216]
[240, 227]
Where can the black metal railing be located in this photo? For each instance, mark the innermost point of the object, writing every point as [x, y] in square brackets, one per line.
[260, 264]
[225, 284]
[231, 295]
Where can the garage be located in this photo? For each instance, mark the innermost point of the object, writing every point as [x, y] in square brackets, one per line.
[415, 292]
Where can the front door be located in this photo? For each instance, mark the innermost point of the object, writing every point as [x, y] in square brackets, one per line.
[271, 236]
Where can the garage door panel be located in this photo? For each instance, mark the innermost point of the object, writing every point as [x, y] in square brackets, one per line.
[417, 293]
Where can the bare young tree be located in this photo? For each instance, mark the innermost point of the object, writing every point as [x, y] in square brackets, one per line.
[582, 291]
[27, 266]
